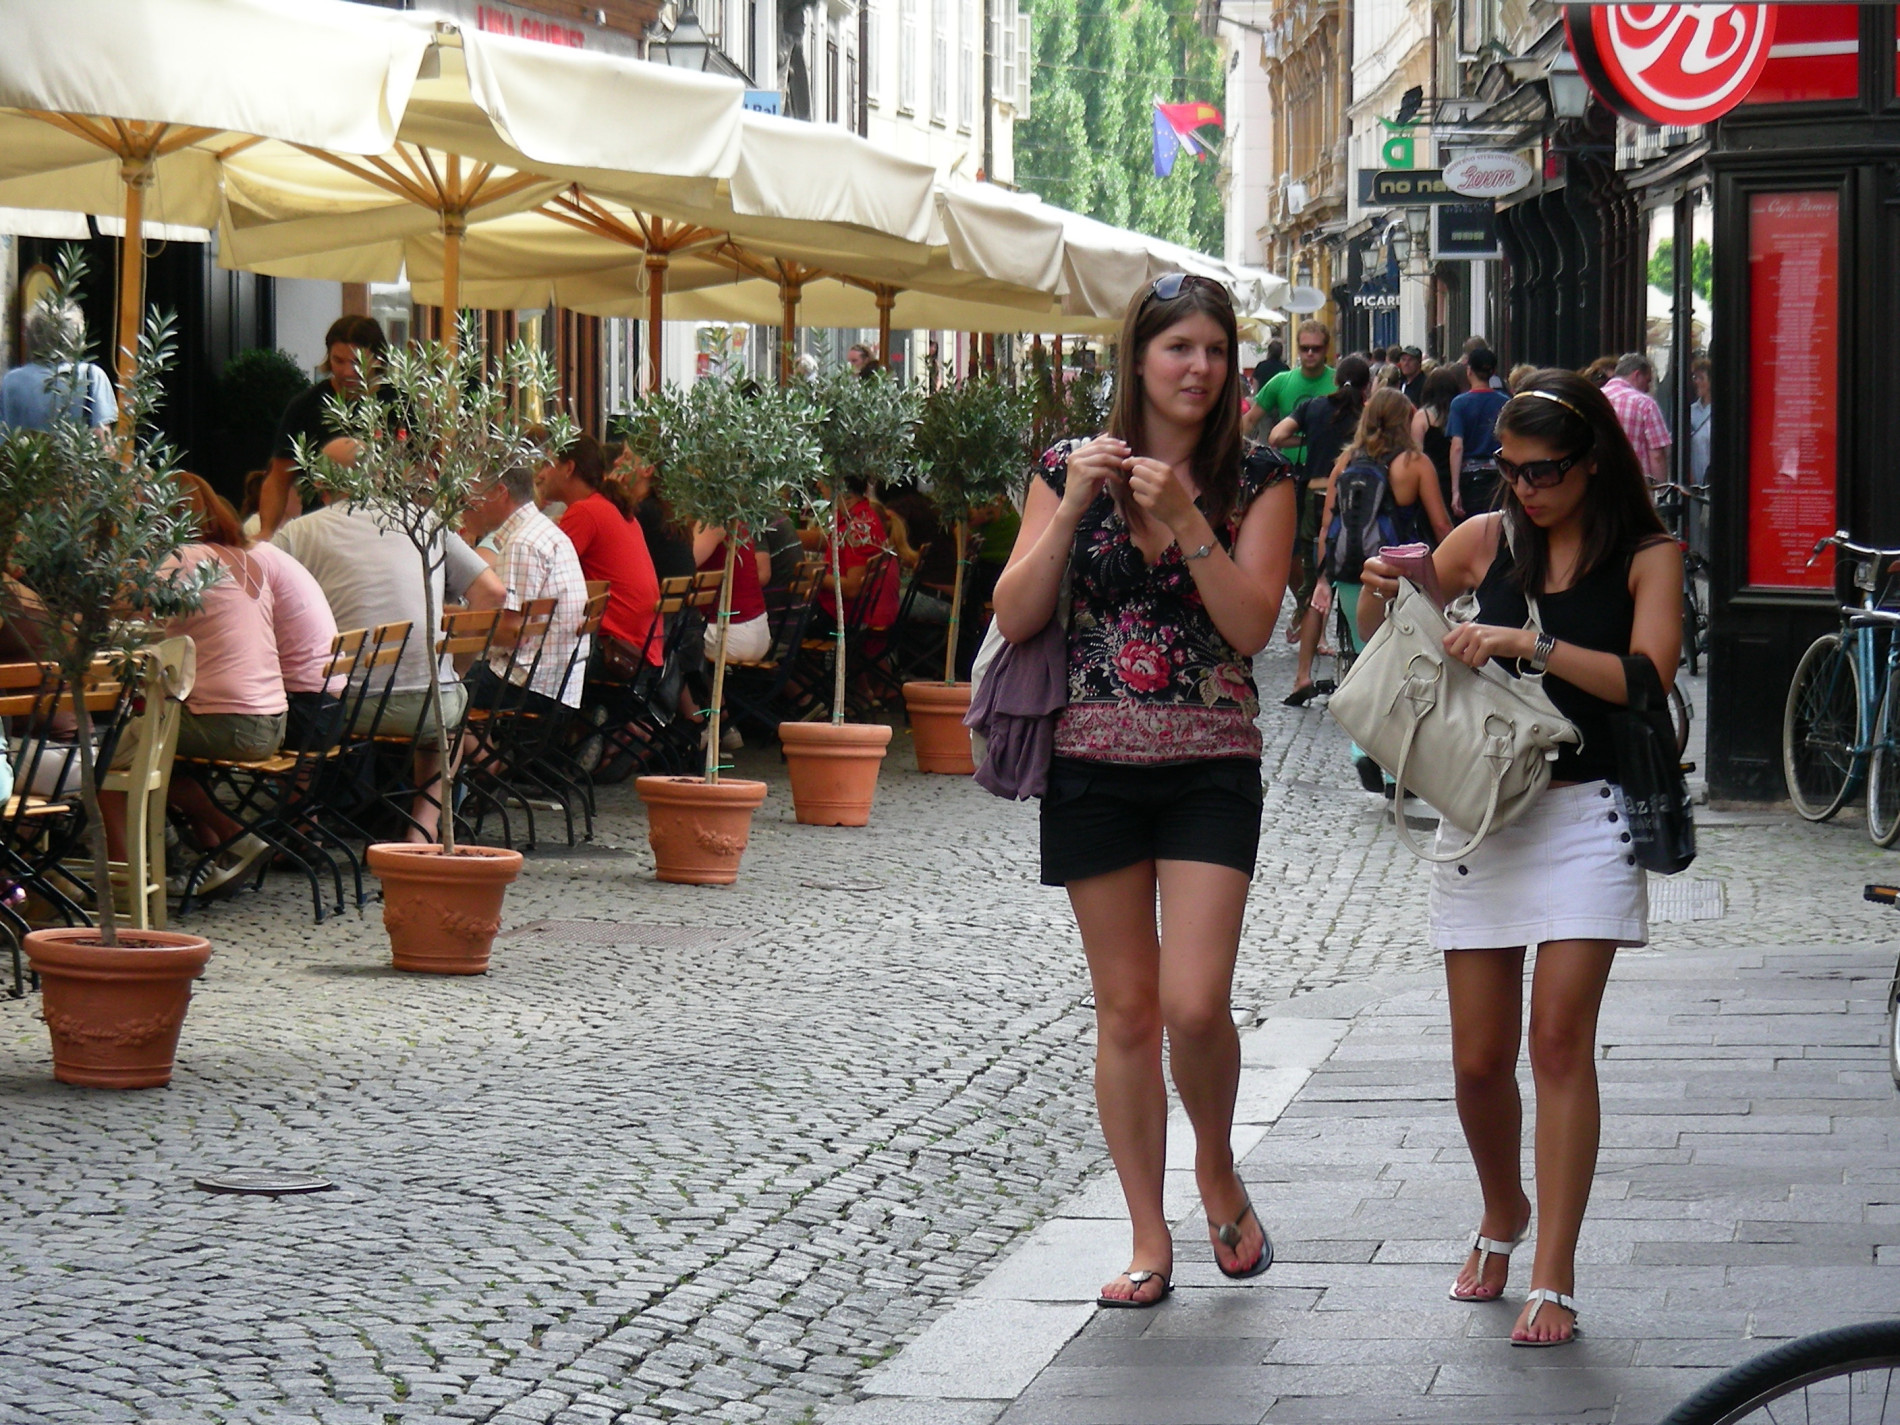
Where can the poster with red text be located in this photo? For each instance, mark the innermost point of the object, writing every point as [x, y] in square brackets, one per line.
[1794, 248]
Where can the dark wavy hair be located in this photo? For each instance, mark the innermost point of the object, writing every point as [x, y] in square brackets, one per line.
[1352, 379]
[1217, 453]
[1566, 412]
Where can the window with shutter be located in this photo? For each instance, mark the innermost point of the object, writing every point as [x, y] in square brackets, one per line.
[1024, 69]
[907, 54]
[873, 38]
[940, 60]
[966, 63]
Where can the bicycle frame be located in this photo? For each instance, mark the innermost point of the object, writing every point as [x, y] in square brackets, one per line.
[1868, 628]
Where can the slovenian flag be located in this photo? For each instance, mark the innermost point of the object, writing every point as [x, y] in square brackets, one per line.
[1174, 131]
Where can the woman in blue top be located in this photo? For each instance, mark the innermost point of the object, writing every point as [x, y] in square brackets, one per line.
[1177, 557]
[1578, 532]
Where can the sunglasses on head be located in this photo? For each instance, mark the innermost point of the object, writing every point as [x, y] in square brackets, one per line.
[1538, 474]
[1169, 285]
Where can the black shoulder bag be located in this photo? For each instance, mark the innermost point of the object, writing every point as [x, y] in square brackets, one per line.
[1656, 803]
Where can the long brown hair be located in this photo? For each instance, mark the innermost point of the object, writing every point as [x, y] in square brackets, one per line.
[217, 522]
[1217, 454]
[1385, 427]
[1566, 412]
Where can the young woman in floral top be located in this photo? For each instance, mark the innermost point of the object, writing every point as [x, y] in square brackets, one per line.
[1177, 557]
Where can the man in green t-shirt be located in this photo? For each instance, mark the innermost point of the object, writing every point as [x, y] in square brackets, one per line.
[1276, 401]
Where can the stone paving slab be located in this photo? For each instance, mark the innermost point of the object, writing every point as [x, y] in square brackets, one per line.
[1678, 1279]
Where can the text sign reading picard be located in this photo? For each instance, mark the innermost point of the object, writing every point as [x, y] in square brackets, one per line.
[1411, 188]
[1491, 173]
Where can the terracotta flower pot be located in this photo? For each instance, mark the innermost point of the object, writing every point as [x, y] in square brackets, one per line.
[936, 727]
[698, 829]
[115, 1013]
[442, 911]
[834, 769]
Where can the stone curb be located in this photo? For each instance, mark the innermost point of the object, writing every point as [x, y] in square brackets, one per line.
[981, 1354]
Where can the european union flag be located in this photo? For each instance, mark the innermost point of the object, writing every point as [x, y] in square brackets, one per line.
[1167, 144]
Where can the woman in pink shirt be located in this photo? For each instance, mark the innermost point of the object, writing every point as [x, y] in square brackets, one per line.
[235, 711]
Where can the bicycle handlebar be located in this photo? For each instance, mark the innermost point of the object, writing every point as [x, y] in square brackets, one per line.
[1844, 542]
[1691, 492]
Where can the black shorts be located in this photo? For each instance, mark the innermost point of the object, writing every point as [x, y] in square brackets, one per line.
[1099, 817]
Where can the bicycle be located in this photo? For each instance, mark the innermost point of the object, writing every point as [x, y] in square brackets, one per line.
[1890, 895]
[1675, 504]
[1845, 1375]
[1841, 724]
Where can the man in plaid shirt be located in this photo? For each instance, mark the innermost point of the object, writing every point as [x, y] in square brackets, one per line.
[1640, 416]
[537, 562]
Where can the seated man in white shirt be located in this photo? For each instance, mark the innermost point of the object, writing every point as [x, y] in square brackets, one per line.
[372, 575]
[534, 561]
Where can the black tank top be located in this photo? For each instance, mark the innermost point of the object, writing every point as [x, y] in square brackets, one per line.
[1596, 612]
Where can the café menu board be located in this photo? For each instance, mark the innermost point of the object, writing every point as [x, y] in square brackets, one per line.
[1794, 249]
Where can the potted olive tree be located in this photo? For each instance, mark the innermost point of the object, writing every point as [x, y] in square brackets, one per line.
[727, 458]
[971, 439]
[867, 434]
[89, 524]
[433, 429]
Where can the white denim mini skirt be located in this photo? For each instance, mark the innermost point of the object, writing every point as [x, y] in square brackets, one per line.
[1562, 871]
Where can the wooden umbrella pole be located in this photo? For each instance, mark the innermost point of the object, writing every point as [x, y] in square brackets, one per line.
[719, 661]
[956, 605]
[886, 299]
[454, 227]
[137, 177]
[656, 313]
[788, 292]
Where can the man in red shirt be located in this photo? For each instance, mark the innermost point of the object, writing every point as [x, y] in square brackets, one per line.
[609, 544]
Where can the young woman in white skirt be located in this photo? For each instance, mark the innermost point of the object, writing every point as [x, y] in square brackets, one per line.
[1608, 582]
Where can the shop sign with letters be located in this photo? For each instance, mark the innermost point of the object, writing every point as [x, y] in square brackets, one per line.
[1670, 64]
[1491, 173]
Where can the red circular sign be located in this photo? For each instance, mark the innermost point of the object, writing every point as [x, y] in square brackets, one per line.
[1671, 64]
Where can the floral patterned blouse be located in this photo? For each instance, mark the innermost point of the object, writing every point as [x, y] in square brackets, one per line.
[1151, 680]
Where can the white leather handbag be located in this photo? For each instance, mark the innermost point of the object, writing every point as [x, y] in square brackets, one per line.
[1475, 744]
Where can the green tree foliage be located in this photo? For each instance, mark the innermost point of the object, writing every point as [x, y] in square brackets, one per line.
[434, 429]
[971, 442]
[866, 434]
[89, 523]
[1088, 143]
[1662, 267]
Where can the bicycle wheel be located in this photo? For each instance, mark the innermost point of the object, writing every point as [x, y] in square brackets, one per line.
[1343, 639]
[1833, 1376]
[1695, 623]
[1821, 727]
[1883, 768]
[1681, 714]
[1893, 1027]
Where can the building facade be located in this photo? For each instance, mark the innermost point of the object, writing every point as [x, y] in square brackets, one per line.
[1306, 52]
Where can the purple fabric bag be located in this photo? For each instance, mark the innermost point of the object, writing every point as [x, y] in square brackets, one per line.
[1014, 707]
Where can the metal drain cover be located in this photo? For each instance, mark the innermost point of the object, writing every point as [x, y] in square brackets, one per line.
[1677, 900]
[642, 937]
[262, 1182]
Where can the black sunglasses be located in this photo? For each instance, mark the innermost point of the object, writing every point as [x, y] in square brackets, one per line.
[1538, 474]
[1168, 286]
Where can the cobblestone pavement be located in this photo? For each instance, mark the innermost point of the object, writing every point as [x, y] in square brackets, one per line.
[660, 1178]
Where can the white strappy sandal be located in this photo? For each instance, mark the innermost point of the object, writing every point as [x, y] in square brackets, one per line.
[1487, 1248]
[1537, 1297]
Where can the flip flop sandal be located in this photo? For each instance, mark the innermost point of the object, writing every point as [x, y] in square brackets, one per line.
[1138, 1280]
[1539, 1295]
[1487, 1248]
[1229, 1237]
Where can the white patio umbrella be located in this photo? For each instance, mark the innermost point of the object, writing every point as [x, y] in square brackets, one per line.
[124, 110]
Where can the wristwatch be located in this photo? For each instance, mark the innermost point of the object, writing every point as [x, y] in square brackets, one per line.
[1541, 651]
[1201, 553]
